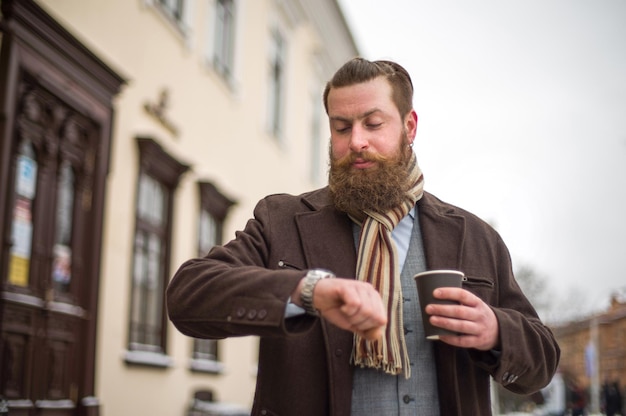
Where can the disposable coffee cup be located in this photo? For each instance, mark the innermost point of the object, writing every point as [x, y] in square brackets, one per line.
[427, 282]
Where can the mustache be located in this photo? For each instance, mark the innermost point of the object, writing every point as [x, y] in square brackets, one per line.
[351, 158]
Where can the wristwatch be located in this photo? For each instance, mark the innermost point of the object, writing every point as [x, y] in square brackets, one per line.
[306, 294]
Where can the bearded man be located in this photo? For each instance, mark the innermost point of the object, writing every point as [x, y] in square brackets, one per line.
[325, 279]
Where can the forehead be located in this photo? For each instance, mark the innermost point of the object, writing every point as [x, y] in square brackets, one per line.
[361, 98]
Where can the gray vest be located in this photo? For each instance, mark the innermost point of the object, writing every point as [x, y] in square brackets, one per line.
[377, 393]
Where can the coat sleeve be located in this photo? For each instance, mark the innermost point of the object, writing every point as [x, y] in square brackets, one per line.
[528, 354]
[233, 291]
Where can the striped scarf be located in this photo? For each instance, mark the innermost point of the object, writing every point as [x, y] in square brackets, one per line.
[377, 263]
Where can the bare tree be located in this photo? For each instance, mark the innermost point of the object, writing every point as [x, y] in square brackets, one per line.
[553, 308]
[536, 289]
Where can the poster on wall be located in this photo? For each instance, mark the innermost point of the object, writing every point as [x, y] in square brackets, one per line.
[26, 178]
[22, 225]
[21, 236]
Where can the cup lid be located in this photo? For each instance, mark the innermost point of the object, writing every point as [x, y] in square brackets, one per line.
[429, 272]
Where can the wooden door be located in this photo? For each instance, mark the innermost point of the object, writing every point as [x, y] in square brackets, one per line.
[55, 117]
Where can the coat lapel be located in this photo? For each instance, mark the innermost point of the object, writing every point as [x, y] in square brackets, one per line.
[443, 232]
[327, 240]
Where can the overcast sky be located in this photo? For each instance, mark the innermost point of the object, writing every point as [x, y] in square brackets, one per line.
[522, 120]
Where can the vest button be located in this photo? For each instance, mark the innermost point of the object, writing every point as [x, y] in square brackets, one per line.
[407, 399]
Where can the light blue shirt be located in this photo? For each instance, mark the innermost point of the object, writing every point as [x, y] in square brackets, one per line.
[401, 236]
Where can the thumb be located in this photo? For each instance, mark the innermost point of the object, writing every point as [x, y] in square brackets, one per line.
[373, 334]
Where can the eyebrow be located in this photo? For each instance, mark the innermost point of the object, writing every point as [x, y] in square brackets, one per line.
[358, 117]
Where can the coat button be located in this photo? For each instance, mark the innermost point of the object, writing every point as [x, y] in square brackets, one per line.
[251, 314]
[241, 312]
[509, 378]
[407, 399]
[338, 352]
[262, 314]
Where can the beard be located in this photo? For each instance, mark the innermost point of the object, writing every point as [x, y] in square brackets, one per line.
[378, 189]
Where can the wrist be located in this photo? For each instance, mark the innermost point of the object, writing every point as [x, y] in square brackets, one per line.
[307, 289]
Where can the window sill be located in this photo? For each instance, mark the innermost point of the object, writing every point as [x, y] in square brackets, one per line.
[147, 358]
[219, 408]
[199, 365]
[55, 404]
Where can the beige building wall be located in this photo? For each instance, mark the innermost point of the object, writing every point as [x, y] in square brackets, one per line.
[222, 135]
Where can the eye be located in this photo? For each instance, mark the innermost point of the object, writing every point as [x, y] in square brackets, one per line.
[343, 128]
[373, 122]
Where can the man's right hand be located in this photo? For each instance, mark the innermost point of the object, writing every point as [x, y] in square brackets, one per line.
[349, 304]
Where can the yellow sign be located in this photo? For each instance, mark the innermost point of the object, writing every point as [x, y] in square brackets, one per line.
[18, 270]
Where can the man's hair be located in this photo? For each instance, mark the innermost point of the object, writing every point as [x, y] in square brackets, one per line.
[359, 70]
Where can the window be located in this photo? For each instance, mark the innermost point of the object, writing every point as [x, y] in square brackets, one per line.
[158, 178]
[150, 240]
[173, 9]
[177, 13]
[224, 37]
[209, 233]
[316, 136]
[50, 201]
[213, 209]
[276, 83]
[62, 252]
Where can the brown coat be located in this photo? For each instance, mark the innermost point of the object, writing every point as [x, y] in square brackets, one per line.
[242, 289]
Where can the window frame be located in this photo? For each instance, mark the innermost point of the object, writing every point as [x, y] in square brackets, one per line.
[276, 94]
[223, 54]
[174, 10]
[158, 165]
[216, 205]
[178, 16]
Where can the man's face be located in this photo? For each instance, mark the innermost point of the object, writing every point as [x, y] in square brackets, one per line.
[369, 148]
[365, 121]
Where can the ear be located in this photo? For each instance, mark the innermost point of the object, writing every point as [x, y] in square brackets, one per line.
[410, 124]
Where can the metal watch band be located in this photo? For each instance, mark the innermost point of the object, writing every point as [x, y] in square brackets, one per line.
[306, 294]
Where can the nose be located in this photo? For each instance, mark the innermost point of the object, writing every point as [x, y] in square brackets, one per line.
[358, 140]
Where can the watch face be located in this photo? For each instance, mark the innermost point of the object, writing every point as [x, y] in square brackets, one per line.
[321, 273]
